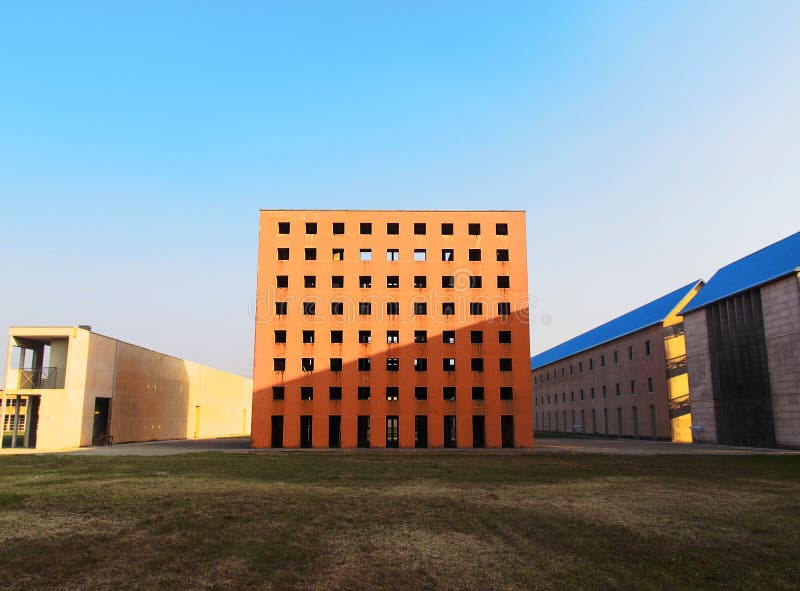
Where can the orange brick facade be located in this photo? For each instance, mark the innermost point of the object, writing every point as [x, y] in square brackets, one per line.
[401, 328]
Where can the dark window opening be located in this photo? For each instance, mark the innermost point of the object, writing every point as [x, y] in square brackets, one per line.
[364, 308]
[503, 282]
[364, 337]
[475, 308]
[307, 363]
[448, 364]
[283, 227]
[337, 308]
[420, 364]
[392, 364]
[504, 337]
[501, 229]
[474, 254]
[338, 227]
[420, 392]
[363, 430]
[392, 392]
[478, 431]
[448, 281]
[336, 364]
[504, 308]
[420, 336]
[475, 281]
[281, 308]
[420, 308]
[449, 393]
[420, 281]
[308, 336]
[449, 337]
[280, 336]
[392, 281]
[420, 229]
[474, 229]
[311, 227]
[506, 393]
[392, 431]
[363, 392]
[283, 254]
[505, 364]
[278, 392]
[337, 254]
[365, 281]
[476, 363]
[335, 392]
[306, 393]
[311, 254]
[365, 228]
[502, 255]
[447, 229]
[476, 336]
[448, 308]
[364, 363]
[392, 228]
[310, 281]
[392, 308]
[337, 281]
[392, 337]
[448, 255]
[283, 281]
[477, 392]
[276, 439]
[337, 336]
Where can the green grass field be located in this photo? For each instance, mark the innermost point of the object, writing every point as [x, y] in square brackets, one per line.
[400, 520]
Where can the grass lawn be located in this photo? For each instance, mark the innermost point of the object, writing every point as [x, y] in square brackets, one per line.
[401, 520]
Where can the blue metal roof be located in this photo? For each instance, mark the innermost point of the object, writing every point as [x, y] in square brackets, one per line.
[653, 313]
[765, 265]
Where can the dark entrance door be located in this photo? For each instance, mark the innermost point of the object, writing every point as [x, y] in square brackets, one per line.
[420, 431]
[277, 432]
[334, 431]
[32, 423]
[478, 431]
[449, 431]
[305, 431]
[507, 430]
[363, 431]
[100, 426]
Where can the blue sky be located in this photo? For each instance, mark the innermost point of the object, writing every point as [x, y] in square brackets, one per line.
[649, 142]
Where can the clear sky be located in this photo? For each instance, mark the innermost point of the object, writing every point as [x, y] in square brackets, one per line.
[649, 142]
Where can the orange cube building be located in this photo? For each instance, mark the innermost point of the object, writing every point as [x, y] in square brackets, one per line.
[392, 329]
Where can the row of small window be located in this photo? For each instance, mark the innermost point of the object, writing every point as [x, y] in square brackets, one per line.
[393, 228]
[393, 281]
[364, 439]
[392, 393]
[393, 254]
[651, 389]
[392, 364]
[393, 336]
[541, 378]
[551, 422]
[393, 308]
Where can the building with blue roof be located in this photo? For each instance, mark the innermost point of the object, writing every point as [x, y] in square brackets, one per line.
[625, 378]
[743, 350]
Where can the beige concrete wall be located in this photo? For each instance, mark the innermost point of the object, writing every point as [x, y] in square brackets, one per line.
[698, 364]
[781, 309]
[154, 396]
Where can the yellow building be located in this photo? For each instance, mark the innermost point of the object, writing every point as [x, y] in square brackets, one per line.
[79, 388]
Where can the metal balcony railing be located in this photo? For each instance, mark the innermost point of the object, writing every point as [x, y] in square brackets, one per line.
[39, 378]
[680, 406]
[676, 366]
